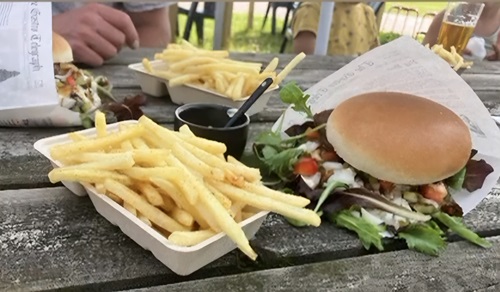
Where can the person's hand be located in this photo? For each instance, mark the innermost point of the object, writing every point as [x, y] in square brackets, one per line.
[96, 32]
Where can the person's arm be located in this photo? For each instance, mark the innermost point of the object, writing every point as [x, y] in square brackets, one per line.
[305, 41]
[153, 27]
[432, 33]
[305, 26]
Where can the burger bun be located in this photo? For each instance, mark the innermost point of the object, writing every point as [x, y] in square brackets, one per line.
[399, 137]
[61, 50]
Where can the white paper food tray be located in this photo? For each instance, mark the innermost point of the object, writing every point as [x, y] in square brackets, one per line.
[184, 94]
[181, 260]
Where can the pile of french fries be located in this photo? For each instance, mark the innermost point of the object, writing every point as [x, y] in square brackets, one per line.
[452, 57]
[214, 70]
[177, 183]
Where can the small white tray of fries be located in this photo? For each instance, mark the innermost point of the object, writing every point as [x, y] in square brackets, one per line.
[191, 75]
[173, 193]
[456, 61]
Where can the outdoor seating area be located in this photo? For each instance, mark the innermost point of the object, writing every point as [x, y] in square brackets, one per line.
[395, 19]
[250, 146]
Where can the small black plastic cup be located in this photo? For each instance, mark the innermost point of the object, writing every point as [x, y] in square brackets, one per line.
[208, 121]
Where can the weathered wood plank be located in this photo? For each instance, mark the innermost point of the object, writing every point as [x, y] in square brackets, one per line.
[122, 77]
[24, 167]
[127, 57]
[461, 268]
[50, 239]
[161, 109]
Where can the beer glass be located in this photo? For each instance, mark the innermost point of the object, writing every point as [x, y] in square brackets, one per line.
[459, 21]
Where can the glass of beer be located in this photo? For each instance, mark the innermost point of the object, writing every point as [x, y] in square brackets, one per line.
[459, 21]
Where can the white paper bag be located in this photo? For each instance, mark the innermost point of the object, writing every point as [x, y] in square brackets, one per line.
[28, 95]
[404, 65]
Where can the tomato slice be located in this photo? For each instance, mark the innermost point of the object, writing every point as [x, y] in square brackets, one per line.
[436, 192]
[71, 80]
[306, 166]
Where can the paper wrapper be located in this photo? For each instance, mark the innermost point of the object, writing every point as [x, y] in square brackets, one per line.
[52, 117]
[404, 65]
[28, 96]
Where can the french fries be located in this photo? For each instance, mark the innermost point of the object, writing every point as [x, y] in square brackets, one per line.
[452, 57]
[174, 182]
[213, 70]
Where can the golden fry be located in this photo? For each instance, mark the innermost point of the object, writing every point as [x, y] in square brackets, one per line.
[226, 223]
[144, 219]
[124, 161]
[289, 67]
[181, 201]
[114, 198]
[129, 208]
[138, 143]
[151, 194]
[150, 157]
[86, 175]
[223, 200]
[185, 130]
[183, 79]
[192, 162]
[63, 150]
[250, 174]
[265, 203]
[271, 67]
[74, 136]
[190, 238]
[100, 124]
[140, 204]
[262, 190]
[147, 65]
[182, 217]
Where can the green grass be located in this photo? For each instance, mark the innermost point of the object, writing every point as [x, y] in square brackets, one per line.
[423, 7]
[262, 41]
[242, 39]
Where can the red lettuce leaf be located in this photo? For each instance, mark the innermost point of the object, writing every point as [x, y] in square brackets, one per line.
[473, 153]
[319, 119]
[304, 190]
[453, 209]
[129, 109]
[476, 172]
[296, 130]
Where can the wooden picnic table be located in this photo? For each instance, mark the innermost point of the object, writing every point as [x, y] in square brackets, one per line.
[52, 239]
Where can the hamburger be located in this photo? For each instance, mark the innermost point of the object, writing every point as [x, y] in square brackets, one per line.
[78, 90]
[399, 138]
[382, 164]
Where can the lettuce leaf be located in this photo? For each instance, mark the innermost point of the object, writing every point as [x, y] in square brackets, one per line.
[456, 225]
[279, 163]
[368, 233]
[456, 182]
[292, 94]
[423, 238]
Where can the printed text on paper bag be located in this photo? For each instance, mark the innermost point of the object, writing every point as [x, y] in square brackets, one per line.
[35, 38]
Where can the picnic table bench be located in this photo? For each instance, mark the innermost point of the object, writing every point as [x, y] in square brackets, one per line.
[51, 239]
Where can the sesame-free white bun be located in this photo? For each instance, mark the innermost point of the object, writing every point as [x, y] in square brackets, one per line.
[61, 50]
[400, 138]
